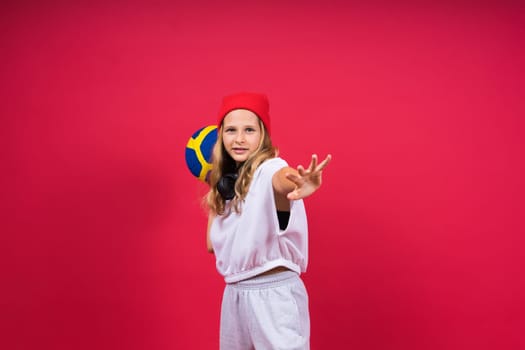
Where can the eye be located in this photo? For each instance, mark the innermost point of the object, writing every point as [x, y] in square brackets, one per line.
[250, 129]
[229, 130]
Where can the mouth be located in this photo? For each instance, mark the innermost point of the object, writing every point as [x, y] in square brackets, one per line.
[238, 150]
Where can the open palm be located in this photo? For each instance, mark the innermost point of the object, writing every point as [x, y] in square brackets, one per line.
[307, 181]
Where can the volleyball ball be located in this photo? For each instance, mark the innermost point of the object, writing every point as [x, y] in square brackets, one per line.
[199, 150]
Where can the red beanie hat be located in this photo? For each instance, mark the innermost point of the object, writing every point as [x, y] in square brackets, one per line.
[257, 103]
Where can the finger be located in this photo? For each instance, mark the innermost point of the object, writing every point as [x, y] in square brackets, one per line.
[324, 163]
[300, 170]
[294, 178]
[313, 163]
[292, 196]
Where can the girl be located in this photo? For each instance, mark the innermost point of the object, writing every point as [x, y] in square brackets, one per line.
[257, 230]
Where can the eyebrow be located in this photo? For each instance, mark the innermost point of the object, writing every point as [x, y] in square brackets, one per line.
[243, 126]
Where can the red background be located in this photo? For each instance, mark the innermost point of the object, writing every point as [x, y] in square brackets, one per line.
[416, 237]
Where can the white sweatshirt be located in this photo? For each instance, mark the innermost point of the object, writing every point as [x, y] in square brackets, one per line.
[251, 242]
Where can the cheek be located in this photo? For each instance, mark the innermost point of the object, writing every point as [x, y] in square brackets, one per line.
[257, 141]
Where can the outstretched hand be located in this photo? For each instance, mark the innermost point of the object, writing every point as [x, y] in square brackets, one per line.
[307, 181]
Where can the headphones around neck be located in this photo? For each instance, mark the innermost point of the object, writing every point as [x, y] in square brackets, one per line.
[226, 185]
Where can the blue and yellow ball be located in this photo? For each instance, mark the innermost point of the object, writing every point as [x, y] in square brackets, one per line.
[199, 151]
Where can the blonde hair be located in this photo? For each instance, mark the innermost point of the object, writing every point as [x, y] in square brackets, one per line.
[222, 163]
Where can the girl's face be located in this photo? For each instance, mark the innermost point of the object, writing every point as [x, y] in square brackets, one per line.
[241, 134]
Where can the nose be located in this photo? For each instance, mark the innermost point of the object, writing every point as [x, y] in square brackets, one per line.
[239, 138]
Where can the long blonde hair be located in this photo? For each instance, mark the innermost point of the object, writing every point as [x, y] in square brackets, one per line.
[222, 164]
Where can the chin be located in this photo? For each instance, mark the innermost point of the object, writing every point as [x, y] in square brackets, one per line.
[240, 159]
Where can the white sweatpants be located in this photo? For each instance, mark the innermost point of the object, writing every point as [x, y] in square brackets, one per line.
[266, 313]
